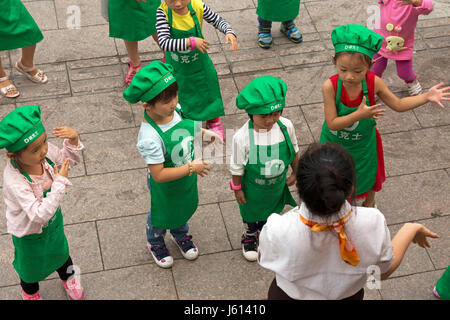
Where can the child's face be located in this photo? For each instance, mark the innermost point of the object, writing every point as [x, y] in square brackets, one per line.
[163, 109]
[351, 69]
[266, 121]
[33, 154]
[177, 5]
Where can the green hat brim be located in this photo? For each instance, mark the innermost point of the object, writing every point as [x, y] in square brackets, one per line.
[27, 138]
[267, 108]
[340, 47]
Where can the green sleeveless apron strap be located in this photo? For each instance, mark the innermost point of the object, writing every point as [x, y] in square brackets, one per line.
[173, 203]
[36, 256]
[359, 139]
[132, 20]
[278, 10]
[195, 73]
[17, 27]
[264, 181]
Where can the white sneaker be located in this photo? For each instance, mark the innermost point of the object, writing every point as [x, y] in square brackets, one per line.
[161, 255]
[414, 88]
[187, 248]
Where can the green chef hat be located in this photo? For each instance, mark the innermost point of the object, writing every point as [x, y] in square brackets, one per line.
[263, 95]
[149, 82]
[20, 127]
[355, 37]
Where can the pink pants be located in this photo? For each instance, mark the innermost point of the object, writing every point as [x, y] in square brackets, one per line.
[404, 68]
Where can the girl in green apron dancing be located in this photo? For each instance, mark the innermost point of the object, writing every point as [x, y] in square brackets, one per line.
[166, 143]
[132, 21]
[263, 150]
[19, 30]
[351, 110]
[179, 27]
[33, 190]
[284, 11]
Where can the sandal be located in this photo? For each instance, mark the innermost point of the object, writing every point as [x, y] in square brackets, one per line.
[265, 40]
[39, 77]
[6, 91]
[292, 33]
[134, 70]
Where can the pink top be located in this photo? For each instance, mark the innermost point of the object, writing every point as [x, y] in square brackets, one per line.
[397, 26]
[27, 211]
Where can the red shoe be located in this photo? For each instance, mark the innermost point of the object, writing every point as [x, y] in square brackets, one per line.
[134, 70]
[73, 288]
[26, 296]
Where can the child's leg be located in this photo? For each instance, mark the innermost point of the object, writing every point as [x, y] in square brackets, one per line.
[28, 58]
[370, 201]
[380, 65]
[264, 33]
[291, 31]
[134, 65]
[71, 283]
[29, 288]
[66, 270]
[405, 70]
[155, 236]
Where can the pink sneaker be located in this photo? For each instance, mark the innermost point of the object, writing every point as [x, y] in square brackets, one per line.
[216, 127]
[74, 289]
[26, 296]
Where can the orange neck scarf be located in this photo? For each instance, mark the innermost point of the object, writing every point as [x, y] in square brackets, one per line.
[348, 252]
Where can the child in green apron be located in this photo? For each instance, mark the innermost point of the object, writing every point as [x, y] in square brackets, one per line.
[19, 30]
[33, 189]
[284, 11]
[179, 27]
[442, 288]
[263, 150]
[132, 21]
[351, 110]
[166, 143]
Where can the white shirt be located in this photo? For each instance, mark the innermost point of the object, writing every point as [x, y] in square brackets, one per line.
[308, 264]
[241, 143]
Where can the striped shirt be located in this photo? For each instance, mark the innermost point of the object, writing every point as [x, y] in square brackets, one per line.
[163, 29]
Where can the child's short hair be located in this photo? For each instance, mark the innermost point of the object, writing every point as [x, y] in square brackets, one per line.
[364, 58]
[166, 95]
[251, 115]
[325, 178]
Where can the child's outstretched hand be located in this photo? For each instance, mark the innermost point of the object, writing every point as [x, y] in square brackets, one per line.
[421, 236]
[200, 167]
[436, 94]
[64, 171]
[370, 112]
[66, 133]
[240, 197]
[201, 44]
[232, 38]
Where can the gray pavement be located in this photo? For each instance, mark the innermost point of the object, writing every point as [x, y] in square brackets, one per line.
[105, 210]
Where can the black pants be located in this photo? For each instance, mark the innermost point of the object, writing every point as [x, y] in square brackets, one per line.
[32, 288]
[252, 228]
[276, 293]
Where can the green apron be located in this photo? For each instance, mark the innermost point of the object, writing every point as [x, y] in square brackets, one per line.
[359, 139]
[278, 10]
[17, 27]
[264, 182]
[199, 89]
[173, 203]
[36, 256]
[131, 20]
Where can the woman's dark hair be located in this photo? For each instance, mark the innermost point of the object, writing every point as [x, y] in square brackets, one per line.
[364, 58]
[166, 95]
[325, 178]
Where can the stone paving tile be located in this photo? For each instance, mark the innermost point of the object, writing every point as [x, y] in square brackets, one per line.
[406, 152]
[413, 287]
[204, 283]
[89, 12]
[414, 196]
[43, 12]
[439, 247]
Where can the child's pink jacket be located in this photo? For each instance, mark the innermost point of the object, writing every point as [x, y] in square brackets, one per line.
[398, 44]
[27, 211]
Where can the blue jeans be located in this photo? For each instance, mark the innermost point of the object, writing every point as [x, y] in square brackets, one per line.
[155, 236]
[265, 26]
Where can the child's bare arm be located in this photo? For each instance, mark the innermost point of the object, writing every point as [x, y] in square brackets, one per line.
[435, 94]
[334, 122]
[161, 174]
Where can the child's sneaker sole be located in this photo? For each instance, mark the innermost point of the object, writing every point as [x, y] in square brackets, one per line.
[165, 262]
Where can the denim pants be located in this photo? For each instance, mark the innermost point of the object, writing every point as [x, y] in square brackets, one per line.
[155, 236]
[266, 26]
